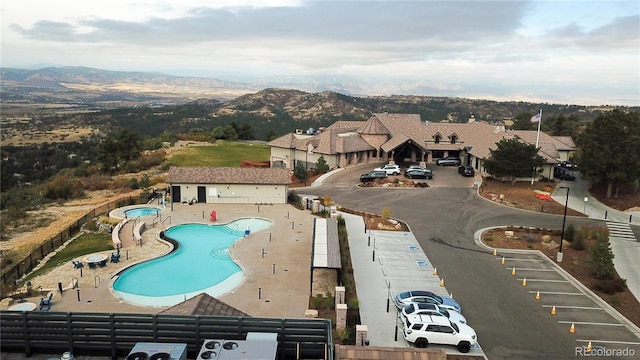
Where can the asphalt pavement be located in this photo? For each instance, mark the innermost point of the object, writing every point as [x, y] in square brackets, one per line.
[444, 220]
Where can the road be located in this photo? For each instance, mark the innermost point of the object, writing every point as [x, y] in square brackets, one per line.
[444, 220]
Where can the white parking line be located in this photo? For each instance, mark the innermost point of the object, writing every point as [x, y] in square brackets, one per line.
[542, 280]
[556, 293]
[572, 307]
[589, 323]
[519, 259]
[609, 342]
[530, 269]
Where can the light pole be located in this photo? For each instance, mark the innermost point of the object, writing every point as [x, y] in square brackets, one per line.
[585, 205]
[564, 219]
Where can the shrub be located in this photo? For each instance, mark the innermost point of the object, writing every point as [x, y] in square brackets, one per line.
[531, 238]
[321, 166]
[611, 286]
[601, 260]
[578, 241]
[569, 233]
[386, 212]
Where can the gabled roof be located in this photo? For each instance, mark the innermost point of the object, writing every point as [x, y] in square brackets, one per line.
[203, 304]
[227, 175]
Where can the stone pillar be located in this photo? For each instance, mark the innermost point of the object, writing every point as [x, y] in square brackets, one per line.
[340, 295]
[315, 206]
[303, 202]
[334, 211]
[341, 316]
[361, 335]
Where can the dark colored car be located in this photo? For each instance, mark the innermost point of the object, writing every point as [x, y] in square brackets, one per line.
[449, 161]
[563, 174]
[466, 170]
[373, 175]
[418, 174]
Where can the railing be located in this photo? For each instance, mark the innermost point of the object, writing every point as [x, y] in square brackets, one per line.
[13, 272]
[115, 334]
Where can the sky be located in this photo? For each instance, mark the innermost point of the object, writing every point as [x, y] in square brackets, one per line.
[567, 52]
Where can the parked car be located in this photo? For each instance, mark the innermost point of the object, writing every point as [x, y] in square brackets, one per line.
[439, 330]
[466, 170]
[416, 309]
[420, 296]
[370, 176]
[563, 174]
[569, 165]
[449, 161]
[418, 174]
[389, 169]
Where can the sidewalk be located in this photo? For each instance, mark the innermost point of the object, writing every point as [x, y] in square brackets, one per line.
[385, 263]
[624, 244]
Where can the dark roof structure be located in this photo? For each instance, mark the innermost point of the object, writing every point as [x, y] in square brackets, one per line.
[203, 304]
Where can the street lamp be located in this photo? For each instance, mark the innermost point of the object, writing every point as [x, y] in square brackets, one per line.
[564, 219]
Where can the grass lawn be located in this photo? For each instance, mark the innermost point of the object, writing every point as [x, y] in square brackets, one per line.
[86, 243]
[220, 154]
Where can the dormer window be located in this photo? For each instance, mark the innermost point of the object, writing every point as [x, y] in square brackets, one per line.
[453, 139]
[437, 138]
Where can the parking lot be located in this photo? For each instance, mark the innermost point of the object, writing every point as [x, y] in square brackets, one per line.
[386, 263]
[509, 322]
[571, 306]
[443, 176]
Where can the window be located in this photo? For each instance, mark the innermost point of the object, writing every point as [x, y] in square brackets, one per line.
[417, 327]
[437, 139]
[453, 139]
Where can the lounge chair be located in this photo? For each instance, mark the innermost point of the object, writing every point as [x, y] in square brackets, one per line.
[115, 258]
[77, 264]
[92, 265]
[103, 263]
[45, 303]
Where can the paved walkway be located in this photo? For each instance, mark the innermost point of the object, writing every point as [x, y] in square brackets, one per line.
[624, 243]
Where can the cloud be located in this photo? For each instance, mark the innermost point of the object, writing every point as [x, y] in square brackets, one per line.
[619, 33]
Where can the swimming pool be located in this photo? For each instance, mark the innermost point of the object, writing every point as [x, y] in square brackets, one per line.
[141, 211]
[201, 263]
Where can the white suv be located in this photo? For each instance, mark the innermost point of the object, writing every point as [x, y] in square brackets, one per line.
[389, 169]
[439, 330]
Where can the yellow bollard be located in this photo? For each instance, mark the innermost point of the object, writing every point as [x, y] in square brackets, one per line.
[442, 282]
[553, 310]
[538, 295]
[502, 262]
[495, 252]
[435, 271]
[572, 329]
[589, 347]
[451, 295]
[524, 282]
[513, 272]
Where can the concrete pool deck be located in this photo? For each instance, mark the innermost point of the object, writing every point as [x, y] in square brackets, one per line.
[273, 285]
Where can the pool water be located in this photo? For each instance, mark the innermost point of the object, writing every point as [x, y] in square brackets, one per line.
[201, 263]
[141, 211]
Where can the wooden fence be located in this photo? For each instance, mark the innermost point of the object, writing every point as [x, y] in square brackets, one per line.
[114, 335]
[12, 273]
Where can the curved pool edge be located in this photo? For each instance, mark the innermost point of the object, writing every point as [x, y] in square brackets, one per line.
[223, 287]
[226, 286]
[119, 214]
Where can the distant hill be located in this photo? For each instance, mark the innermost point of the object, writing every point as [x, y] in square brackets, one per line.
[100, 102]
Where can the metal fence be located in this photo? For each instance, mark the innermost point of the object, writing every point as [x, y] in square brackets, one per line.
[114, 335]
[13, 272]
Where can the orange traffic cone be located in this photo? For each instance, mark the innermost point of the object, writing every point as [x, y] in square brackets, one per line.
[502, 262]
[538, 295]
[435, 271]
[573, 328]
[524, 282]
[589, 347]
[513, 272]
[442, 282]
[495, 252]
[553, 310]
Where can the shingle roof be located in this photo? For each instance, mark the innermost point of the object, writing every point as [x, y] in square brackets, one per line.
[374, 126]
[203, 304]
[226, 175]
